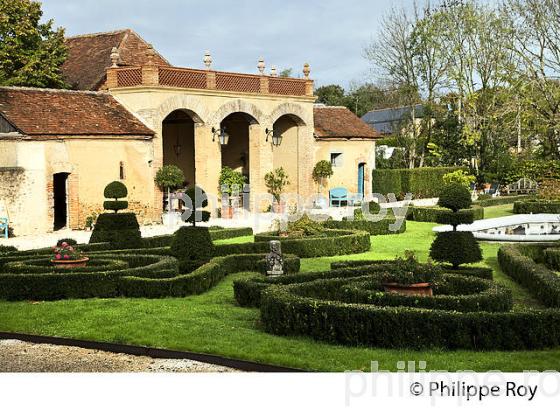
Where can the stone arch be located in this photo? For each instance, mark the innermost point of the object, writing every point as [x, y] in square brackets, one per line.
[191, 104]
[295, 111]
[238, 106]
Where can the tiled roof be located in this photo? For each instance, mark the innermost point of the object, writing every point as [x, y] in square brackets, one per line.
[43, 113]
[384, 120]
[90, 55]
[340, 122]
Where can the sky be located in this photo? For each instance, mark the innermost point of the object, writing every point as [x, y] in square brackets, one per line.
[328, 34]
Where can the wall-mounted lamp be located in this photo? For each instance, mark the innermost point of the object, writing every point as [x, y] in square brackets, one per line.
[223, 136]
[276, 137]
[177, 148]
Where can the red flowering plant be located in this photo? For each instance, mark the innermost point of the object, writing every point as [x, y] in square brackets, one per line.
[66, 252]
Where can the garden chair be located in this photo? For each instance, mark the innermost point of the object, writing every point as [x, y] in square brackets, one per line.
[494, 190]
[338, 195]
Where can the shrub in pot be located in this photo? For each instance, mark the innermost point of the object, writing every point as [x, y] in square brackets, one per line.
[167, 178]
[321, 173]
[275, 182]
[409, 277]
[455, 247]
[229, 180]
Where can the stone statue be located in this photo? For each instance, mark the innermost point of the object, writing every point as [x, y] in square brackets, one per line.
[274, 261]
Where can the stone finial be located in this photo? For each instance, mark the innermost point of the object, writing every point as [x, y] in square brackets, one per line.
[207, 60]
[306, 71]
[261, 66]
[273, 72]
[115, 57]
[150, 54]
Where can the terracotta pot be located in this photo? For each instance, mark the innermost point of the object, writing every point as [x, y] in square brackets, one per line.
[416, 289]
[227, 212]
[70, 264]
[278, 208]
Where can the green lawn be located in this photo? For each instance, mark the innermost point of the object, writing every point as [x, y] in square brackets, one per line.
[212, 323]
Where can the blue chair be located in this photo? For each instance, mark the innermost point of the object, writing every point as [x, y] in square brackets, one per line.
[338, 195]
[4, 226]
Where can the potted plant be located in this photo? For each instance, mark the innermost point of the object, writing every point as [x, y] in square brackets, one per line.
[230, 182]
[68, 257]
[276, 181]
[321, 172]
[410, 278]
[167, 178]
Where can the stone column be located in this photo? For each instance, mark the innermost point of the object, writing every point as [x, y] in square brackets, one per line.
[305, 160]
[208, 163]
[260, 161]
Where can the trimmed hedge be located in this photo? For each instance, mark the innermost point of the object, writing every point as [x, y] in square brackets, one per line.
[536, 206]
[500, 200]
[421, 182]
[451, 292]
[228, 233]
[51, 285]
[335, 242]
[201, 279]
[373, 228]
[552, 258]
[121, 230]
[473, 271]
[544, 284]
[192, 243]
[285, 312]
[444, 216]
[146, 276]
[456, 248]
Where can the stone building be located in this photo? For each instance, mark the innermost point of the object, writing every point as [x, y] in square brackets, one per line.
[133, 112]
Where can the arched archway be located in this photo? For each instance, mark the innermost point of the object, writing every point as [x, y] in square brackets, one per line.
[178, 143]
[236, 153]
[286, 155]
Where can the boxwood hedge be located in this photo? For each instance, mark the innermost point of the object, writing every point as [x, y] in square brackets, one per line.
[440, 215]
[373, 228]
[121, 274]
[333, 242]
[536, 206]
[517, 262]
[284, 311]
[552, 258]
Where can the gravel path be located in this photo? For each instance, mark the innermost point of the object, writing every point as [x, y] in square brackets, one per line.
[18, 356]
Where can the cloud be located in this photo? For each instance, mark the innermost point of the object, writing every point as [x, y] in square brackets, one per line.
[329, 34]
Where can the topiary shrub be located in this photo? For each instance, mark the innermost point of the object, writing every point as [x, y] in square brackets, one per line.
[115, 190]
[120, 230]
[455, 196]
[198, 200]
[7, 249]
[455, 247]
[373, 207]
[192, 243]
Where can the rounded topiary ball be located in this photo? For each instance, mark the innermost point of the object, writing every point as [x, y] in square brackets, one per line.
[455, 196]
[192, 243]
[115, 190]
[204, 216]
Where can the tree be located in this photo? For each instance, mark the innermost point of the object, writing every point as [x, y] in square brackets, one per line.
[169, 177]
[287, 72]
[332, 95]
[31, 52]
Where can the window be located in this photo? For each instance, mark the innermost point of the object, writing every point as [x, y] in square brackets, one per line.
[121, 170]
[336, 159]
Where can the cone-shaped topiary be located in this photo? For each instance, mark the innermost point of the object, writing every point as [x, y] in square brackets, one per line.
[192, 243]
[455, 247]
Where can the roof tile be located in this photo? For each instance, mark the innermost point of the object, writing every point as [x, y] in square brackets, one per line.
[340, 122]
[44, 112]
